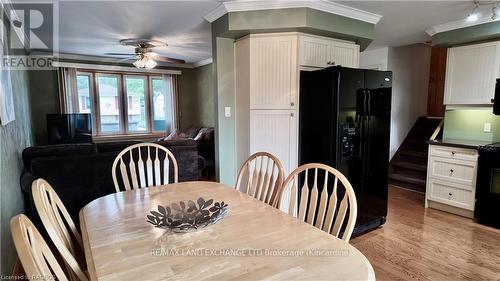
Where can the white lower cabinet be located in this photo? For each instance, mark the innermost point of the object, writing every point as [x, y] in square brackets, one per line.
[275, 131]
[451, 179]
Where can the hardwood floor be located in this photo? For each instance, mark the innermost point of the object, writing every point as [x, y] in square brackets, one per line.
[427, 244]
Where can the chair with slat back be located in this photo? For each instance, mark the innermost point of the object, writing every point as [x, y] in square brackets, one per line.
[38, 262]
[56, 220]
[330, 214]
[143, 165]
[261, 177]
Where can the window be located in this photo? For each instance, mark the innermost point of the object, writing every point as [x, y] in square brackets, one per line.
[83, 84]
[125, 103]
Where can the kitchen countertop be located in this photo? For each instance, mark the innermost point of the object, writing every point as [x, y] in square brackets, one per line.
[472, 144]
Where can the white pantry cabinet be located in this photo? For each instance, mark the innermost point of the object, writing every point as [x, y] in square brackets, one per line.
[316, 51]
[471, 73]
[273, 72]
[271, 131]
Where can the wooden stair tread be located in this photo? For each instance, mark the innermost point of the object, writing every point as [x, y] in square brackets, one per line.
[411, 166]
[407, 179]
[414, 153]
[408, 167]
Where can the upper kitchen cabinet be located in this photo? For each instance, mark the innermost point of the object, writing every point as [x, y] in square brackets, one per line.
[344, 54]
[316, 51]
[470, 74]
[273, 71]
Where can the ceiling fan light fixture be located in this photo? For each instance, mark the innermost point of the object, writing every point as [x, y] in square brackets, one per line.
[145, 62]
[139, 63]
[150, 64]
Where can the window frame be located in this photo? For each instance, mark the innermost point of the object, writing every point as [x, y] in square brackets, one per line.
[122, 103]
[146, 103]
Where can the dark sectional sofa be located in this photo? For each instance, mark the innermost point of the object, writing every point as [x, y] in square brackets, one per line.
[80, 173]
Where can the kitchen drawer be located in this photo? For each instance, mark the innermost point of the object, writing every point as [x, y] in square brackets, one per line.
[453, 170]
[453, 152]
[450, 194]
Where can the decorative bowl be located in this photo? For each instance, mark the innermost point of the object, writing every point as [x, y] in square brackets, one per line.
[190, 216]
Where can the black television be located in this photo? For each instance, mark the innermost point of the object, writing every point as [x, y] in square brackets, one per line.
[69, 128]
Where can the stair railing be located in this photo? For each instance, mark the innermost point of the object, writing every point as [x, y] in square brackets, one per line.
[436, 131]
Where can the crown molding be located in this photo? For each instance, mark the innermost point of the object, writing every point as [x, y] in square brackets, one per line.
[321, 5]
[202, 62]
[457, 25]
[97, 59]
[114, 68]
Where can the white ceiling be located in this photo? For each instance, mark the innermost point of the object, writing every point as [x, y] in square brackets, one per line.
[95, 27]
[405, 22]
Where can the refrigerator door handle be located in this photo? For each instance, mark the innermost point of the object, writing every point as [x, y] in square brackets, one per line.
[369, 104]
[364, 102]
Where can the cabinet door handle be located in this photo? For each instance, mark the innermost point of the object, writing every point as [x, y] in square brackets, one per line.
[291, 114]
[450, 195]
[292, 104]
[453, 153]
[451, 171]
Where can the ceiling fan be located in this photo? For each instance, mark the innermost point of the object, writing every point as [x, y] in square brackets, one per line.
[144, 56]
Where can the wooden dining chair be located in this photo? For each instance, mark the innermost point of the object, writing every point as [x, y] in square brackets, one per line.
[261, 176]
[60, 227]
[38, 261]
[142, 165]
[330, 214]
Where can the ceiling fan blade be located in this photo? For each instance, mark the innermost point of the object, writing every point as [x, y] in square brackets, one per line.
[119, 54]
[170, 60]
[127, 59]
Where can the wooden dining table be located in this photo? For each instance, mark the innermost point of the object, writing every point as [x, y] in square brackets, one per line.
[254, 241]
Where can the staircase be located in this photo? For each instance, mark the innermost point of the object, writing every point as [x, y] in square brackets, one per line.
[408, 167]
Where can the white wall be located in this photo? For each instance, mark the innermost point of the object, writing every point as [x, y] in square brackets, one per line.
[374, 59]
[410, 70]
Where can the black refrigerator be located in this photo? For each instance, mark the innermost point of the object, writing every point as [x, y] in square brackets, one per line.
[345, 117]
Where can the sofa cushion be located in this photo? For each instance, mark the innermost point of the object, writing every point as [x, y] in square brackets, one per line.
[33, 152]
[79, 178]
[118, 146]
[205, 135]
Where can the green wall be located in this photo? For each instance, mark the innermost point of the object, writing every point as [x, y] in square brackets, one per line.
[239, 24]
[225, 97]
[14, 137]
[471, 34]
[196, 97]
[468, 124]
[44, 99]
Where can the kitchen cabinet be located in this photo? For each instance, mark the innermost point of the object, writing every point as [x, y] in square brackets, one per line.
[470, 74]
[273, 72]
[271, 131]
[316, 51]
[451, 179]
[267, 68]
[345, 54]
